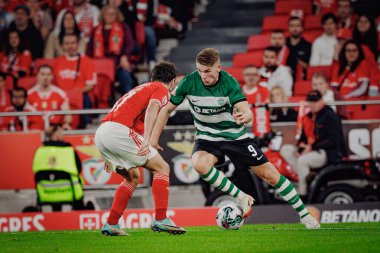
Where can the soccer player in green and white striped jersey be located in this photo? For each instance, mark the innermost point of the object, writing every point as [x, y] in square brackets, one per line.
[220, 110]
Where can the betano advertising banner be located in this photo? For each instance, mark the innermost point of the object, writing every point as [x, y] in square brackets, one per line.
[362, 140]
[139, 218]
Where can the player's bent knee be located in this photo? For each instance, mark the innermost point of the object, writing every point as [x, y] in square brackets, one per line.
[201, 166]
[134, 176]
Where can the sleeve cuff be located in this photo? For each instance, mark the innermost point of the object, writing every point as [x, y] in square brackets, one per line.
[237, 101]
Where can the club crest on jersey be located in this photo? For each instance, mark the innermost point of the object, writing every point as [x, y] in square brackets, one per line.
[221, 101]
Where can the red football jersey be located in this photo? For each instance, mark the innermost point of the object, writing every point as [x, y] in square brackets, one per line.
[52, 99]
[261, 117]
[260, 94]
[68, 75]
[21, 62]
[349, 81]
[5, 99]
[129, 110]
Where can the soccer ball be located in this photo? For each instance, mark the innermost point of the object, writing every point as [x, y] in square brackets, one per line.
[230, 216]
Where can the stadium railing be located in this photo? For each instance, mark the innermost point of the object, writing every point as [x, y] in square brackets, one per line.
[48, 114]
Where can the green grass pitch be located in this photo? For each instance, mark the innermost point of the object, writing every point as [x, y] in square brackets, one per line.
[344, 237]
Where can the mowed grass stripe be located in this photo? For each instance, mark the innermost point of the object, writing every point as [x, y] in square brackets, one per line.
[352, 237]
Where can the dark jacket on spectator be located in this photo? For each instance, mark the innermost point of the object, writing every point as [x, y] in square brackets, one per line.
[32, 37]
[278, 115]
[329, 134]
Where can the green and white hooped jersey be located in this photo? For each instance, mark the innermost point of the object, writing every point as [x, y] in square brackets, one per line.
[212, 106]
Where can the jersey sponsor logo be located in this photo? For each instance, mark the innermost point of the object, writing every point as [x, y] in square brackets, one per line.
[210, 111]
[68, 74]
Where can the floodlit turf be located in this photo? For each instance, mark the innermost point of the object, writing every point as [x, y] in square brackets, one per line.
[347, 237]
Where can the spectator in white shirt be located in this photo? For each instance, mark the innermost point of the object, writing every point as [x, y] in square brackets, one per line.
[322, 50]
[272, 74]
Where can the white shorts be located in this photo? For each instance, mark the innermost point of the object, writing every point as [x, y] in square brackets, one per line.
[119, 144]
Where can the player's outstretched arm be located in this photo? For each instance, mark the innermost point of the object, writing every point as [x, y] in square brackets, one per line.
[163, 117]
[242, 113]
[150, 118]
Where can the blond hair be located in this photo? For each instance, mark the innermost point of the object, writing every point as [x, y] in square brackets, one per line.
[281, 90]
[120, 17]
[208, 57]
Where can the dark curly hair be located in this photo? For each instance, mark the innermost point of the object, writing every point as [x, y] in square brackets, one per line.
[164, 72]
[343, 63]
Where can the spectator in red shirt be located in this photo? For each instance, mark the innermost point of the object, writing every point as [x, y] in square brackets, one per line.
[256, 94]
[351, 76]
[20, 104]
[15, 61]
[113, 39]
[344, 14]
[278, 39]
[75, 72]
[5, 99]
[45, 96]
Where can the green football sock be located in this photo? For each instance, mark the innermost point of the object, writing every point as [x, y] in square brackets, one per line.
[286, 189]
[217, 179]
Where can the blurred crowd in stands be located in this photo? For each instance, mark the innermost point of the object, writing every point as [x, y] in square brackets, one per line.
[328, 45]
[77, 54]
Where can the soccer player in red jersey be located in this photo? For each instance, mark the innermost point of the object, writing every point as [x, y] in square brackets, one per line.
[123, 140]
[45, 96]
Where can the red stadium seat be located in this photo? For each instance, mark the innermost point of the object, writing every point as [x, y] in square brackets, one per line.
[296, 99]
[301, 88]
[326, 70]
[237, 73]
[365, 112]
[106, 67]
[76, 103]
[102, 91]
[258, 42]
[42, 61]
[27, 82]
[313, 22]
[285, 7]
[312, 35]
[244, 59]
[271, 23]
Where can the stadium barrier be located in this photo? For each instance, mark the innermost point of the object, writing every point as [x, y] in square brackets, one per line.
[142, 218]
[361, 137]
